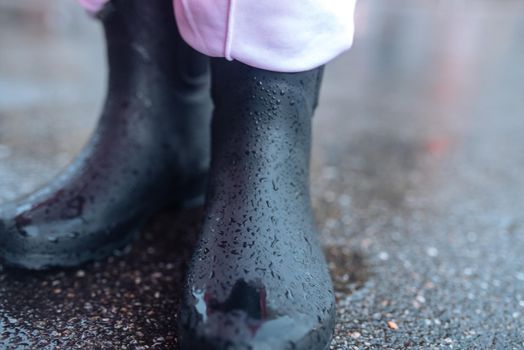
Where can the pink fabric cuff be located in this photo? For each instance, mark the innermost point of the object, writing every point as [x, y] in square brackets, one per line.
[277, 35]
[92, 6]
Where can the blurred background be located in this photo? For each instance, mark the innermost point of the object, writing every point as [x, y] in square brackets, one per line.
[417, 182]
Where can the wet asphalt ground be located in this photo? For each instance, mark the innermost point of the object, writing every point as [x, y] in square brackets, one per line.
[416, 182]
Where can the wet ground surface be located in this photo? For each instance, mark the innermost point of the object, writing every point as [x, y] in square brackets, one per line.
[416, 180]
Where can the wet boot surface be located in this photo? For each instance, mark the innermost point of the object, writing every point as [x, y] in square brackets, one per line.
[150, 149]
[259, 279]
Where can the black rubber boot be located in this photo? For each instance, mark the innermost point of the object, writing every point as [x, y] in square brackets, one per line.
[259, 278]
[150, 148]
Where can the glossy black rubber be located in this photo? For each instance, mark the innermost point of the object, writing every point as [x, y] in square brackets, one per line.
[259, 279]
[150, 148]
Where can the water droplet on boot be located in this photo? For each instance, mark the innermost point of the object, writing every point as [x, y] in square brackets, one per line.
[289, 294]
[30, 231]
[73, 234]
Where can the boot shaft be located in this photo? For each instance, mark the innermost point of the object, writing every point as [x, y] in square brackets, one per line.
[261, 128]
[144, 44]
[235, 80]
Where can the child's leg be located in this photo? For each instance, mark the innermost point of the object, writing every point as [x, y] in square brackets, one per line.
[259, 279]
[150, 147]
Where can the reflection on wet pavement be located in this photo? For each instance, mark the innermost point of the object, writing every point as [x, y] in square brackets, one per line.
[416, 180]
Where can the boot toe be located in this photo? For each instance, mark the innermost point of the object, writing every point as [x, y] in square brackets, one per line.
[25, 245]
[246, 320]
[236, 331]
[42, 243]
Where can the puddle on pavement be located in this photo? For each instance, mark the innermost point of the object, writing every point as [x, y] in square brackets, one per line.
[348, 268]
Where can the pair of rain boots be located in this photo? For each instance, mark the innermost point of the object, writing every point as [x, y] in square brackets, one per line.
[258, 279]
